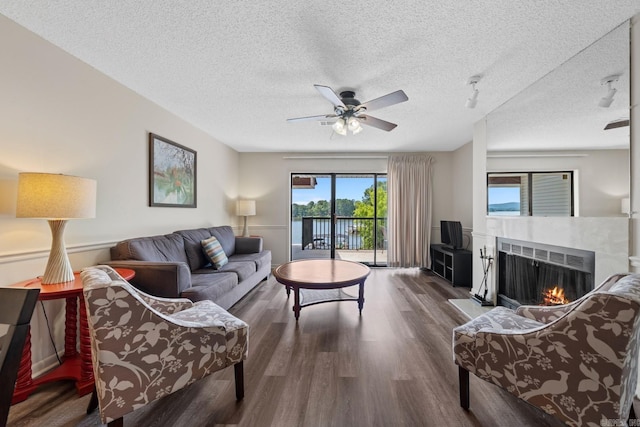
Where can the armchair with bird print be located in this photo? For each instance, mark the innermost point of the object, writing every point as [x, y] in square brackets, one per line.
[144, 347]
[577, 362]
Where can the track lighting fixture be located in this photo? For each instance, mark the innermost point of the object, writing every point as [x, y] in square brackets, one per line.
[473, 99]
[606, 101]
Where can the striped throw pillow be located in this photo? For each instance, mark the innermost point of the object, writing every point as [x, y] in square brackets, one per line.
[214, 252]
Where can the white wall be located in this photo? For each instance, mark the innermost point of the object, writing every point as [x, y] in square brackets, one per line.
[462, 190]
[265, 177]
[602, 175]
[59, 115]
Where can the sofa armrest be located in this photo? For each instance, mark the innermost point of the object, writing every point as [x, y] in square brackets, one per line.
[162, 279]
[248, 245]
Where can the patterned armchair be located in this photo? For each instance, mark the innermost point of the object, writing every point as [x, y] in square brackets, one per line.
[144, 347]
[577, 362]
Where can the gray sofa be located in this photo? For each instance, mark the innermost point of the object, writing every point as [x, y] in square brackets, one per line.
[174, 265]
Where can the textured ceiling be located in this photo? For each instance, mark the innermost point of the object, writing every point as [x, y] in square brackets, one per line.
[239, 70]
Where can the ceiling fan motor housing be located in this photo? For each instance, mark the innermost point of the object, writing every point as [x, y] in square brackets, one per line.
[349, 98]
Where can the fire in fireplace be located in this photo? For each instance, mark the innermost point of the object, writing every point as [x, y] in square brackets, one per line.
[554, 296]
[527, 270]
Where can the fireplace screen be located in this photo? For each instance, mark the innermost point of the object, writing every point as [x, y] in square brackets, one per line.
[527, 281]
[531, 282]
[534, 273]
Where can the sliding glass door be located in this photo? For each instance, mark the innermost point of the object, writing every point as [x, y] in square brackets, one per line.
[341, 216]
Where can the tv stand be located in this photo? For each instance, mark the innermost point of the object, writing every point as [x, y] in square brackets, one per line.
[453, 265]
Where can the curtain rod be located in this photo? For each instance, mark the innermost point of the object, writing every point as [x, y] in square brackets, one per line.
[332, 157]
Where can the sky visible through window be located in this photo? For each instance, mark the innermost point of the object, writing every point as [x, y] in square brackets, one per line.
[504, 195]
[351, 188]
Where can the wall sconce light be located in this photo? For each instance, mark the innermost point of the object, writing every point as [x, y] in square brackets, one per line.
[56, 198]
[606, 101]
[473, 99]
[245, 208]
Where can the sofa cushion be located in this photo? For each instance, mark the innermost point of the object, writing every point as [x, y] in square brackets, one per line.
[260, 259]
[244, 269]
[209, 284]
[225, 236]
[193, 247]
[165, 248]
[214, 252]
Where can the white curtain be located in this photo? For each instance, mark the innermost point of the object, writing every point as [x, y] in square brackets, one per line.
[409, 192]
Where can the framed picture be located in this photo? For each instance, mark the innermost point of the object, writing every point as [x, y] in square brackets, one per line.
[172, 174]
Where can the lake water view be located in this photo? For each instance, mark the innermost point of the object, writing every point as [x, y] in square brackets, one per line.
[350, 240]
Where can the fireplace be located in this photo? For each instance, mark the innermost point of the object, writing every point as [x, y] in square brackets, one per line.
[528, 272]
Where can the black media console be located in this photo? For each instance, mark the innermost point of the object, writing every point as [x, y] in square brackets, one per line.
[453, 265]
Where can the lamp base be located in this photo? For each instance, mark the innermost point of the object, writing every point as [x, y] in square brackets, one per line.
[58, 267]
[245, 231]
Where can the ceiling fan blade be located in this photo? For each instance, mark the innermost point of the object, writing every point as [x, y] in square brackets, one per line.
[311, 118]
[386, 100]
[376, 123]
[331, 96]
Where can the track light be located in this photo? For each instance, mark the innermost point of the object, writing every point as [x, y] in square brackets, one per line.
[606, 101]
[473, 99]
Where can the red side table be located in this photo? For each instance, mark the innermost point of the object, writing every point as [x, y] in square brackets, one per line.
[76, 365]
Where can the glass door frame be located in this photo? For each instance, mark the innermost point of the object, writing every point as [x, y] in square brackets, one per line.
[333, 208]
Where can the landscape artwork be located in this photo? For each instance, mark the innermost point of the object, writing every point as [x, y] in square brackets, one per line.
[172, 174]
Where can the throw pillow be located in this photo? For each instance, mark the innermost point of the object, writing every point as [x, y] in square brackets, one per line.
[214, 252]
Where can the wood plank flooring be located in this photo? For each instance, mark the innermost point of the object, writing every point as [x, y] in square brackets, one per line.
[391, 367]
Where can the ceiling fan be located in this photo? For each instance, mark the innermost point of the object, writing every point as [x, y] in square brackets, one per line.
[349, 113]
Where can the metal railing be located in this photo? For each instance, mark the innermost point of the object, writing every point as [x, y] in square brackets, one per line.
[352, 233]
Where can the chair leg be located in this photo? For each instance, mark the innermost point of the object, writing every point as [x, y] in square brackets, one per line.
[239, 374]
[119, 422]
[463, 379]
[93, 403]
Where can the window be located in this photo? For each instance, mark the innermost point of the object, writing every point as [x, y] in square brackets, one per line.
[530, 194]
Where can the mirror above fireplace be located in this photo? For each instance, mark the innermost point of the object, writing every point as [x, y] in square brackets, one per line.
[558, 124]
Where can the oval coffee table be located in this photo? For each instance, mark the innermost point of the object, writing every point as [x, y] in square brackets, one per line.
[315, 281]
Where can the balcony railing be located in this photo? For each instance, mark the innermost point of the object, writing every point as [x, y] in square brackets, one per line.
[352, 233]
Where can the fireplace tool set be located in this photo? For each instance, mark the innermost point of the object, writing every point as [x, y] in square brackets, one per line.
[486, 265]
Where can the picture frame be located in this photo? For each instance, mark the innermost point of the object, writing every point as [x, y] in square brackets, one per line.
[172, 174]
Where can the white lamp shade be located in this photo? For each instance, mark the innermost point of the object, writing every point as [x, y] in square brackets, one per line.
[246, 207]
[54, 196]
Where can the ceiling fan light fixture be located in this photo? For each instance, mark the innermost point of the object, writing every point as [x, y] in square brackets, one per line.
[354, 125]
[340, 127]
[473, 99]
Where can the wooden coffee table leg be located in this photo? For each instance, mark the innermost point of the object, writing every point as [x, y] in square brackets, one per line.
[361, 297]
[296, 302]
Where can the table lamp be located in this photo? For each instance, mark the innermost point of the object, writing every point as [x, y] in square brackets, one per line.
[56, 198]
[245, 208]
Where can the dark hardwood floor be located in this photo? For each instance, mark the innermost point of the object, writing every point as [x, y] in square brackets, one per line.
[391, 367]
